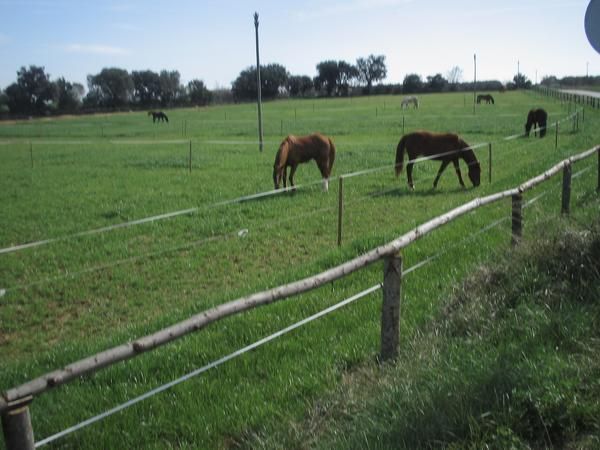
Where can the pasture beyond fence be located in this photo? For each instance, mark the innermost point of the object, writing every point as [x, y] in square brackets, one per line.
[16, 420]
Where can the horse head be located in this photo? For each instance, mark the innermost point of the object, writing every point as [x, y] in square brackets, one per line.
[472, 163]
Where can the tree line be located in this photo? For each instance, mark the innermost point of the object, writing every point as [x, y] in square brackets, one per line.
[34, 93]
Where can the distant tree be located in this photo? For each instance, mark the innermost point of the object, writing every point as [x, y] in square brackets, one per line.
[197, 93]
[521, 81]
[111, 88]
[412, 83]
[436, 83]
[328, 73]
[69, 95]
[454, 75]
[346, 73]
[371, 70]
[171, 91]
[33, 93]
[299, 85]
[3, 103]
[273, 77]
[146, 88]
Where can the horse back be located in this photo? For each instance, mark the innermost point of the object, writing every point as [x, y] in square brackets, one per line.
[425, 143]
[304, 148]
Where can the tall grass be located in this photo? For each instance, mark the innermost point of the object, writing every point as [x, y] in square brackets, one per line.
[79, 295]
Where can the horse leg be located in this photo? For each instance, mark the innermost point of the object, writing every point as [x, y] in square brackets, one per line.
[324, 169]
[292, 172]
[458, 174]
[439, 174]
[409, 168]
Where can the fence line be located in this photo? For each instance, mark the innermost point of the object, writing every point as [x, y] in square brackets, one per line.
[14, 402]
[269, 338]
[209, 366]
[199, 321]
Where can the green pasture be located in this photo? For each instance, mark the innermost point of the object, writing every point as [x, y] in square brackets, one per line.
[81, 293]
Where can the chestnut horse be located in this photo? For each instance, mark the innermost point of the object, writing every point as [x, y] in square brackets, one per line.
[158, 115]
[295, 150]
[445, 147]
[538, 118]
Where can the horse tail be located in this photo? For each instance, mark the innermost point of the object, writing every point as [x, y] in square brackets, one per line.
[331, 156]
[400, 155]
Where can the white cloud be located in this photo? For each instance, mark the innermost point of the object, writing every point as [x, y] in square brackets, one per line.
[96, 49]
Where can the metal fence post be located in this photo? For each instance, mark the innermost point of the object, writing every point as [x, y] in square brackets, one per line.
[566, 190]
[390, 310]
[16, 426]
[517, 218]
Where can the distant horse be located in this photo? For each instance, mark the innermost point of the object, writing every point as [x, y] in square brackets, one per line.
[412, 100]
[445, 147]
[158, 115]
[538, 118]
[295, 150]
[486, 98]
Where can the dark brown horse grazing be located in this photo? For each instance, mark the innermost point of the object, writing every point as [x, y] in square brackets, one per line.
[486, 98]
[445, 147]
[158, 115]
[536, 118]
[300, 149]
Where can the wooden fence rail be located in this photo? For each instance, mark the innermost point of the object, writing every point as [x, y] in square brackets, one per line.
[18, 433]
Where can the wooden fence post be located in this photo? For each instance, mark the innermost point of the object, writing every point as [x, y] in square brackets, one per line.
[490, 161]
[517, 218]
[390, 310]
[402, 125]
[566, 190]
[190, 156]
[556, 137]
[340, 210]
[31, 153]
[16, 426]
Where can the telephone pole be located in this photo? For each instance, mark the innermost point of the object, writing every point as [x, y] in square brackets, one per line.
[260, 129]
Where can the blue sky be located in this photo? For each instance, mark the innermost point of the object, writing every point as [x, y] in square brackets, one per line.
[213, 40]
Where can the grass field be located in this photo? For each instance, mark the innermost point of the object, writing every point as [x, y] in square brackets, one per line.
[82, 293]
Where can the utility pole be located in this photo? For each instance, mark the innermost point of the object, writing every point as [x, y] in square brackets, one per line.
[260, 129]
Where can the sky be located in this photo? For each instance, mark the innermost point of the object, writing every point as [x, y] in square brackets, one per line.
[214, 40]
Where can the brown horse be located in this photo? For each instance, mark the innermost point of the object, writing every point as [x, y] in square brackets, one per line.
[300, 149]
[445, 147]
[538, 118]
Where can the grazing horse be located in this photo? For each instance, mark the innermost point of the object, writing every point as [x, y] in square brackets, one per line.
[300, 149]
[158, 115]
[406, 101]
[486, 98]
[538, 118]
[445, 147]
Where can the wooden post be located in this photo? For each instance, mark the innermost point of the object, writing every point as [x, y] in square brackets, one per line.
[390, 310]
[190, 156]
[31, 152]
[17, 429]
[185, 128]
[556, 137]
[376, 112]
[340, 210]
[517, 218]
[490, 161]
[402, 125]
[566, 190]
